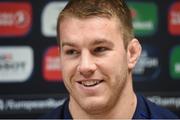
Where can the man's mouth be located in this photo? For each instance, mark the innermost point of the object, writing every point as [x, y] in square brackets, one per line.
[90, 83]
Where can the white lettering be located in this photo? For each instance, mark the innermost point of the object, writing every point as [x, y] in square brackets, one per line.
[10, 19]
[166, 102]
[177, 67]
[33, 104]
[147, 25]
[1, 105]
[175, 18]
[53, 63]
[145, 62]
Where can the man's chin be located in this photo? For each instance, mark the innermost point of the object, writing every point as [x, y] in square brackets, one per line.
[94, 106]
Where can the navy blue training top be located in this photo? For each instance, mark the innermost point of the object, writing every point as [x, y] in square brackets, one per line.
[144, 110]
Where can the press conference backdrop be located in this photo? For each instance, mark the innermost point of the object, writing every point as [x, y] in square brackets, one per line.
[30, 78]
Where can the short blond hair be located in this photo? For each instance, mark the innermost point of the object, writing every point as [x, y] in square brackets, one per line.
[104, 8]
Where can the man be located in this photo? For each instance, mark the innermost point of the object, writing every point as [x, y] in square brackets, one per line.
[98, 54]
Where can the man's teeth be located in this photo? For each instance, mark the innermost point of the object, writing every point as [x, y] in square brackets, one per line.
[90, 83]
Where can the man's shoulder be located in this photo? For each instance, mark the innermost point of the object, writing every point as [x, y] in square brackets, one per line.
[54, 114]
[58, 113]
[151, 110]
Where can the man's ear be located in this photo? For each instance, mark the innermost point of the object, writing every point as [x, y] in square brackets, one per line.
[133, 53]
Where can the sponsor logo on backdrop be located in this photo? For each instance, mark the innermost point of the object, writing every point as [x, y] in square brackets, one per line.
[51, 65]
[175, 63]
[170, 102]
[174, 19]
[15, 18]
[148, 66]
[16, 63]
[23, 104]
[144, 24]
[49, 18]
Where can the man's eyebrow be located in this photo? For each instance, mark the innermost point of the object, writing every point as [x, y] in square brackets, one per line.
[68, 44]
[102, 41]
[95, 42]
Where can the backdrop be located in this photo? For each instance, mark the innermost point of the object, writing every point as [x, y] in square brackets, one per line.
[30, 78]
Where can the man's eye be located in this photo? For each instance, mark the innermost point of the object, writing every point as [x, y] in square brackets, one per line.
[71, 52]
[100, 49]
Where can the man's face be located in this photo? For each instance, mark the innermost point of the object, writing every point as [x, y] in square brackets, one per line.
[94, 61]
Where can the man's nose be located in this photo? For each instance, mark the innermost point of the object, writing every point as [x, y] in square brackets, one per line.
[87, 64]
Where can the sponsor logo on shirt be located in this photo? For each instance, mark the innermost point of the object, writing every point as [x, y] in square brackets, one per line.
[49, 18]
[144, 24]
[16, 63]
[15, 18]
[148, 66]
[174, 19]
[51, 65]
[175, 63]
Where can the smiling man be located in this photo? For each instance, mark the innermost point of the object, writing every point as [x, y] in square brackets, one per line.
[98, 54]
